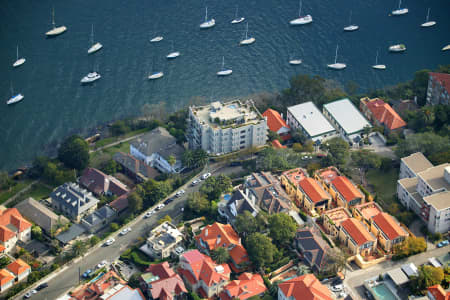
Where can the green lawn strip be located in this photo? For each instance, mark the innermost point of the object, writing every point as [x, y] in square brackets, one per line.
[100, 156]
[384, 183]
[106, 141]
[5, 195]
[38, 191]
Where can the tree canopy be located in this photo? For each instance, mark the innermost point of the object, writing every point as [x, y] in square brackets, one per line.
[214, 186]
[260, 249]
[282, 228]
[428, 276]
[246, 224]
[198, 204]
[428, 143]
[135, 202]
[220, 255]
[74, 152]
[194, 158]
[338, 150]
[366, 159]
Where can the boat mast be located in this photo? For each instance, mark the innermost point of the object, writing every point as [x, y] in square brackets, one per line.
[246, 32]
[350, 20]
[428, 14]
[92, 34]
[335, 57]
[53, 17]
[223, 62]
[17, 52]
[300, 8]
[236, 16]
[376, 59]
[206, 15]
[399, 3]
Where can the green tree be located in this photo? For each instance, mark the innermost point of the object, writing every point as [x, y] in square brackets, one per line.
[200, 158]
[171, 160]
[272, 135]
[198, 204]
[298, 136]
[135, 202]
[220, 255]
[154, 191]
[365, 160]
[4, 261]
[109, 167]
[166, 218]
[36, 233]
[246, 224]
[428, 276]
[134, 280]
[5, 181]
[312, 168]
[282, 228]
[260, 249]
[94, 240]
[114, 226]
[215, 186]
[297, 147]
[74, 152]
[119, 128]
[78, 248]
[308, 146]
[338, 150]
[187, 159]
[428, 143]
[419, 86]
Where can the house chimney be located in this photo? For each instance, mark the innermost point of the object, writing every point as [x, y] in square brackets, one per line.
[206, 232]
[281, 114]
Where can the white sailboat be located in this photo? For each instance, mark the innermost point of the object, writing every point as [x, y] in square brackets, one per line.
[295, 61]
[351, 27]
[446, 48]
[336, 65]
[55, 30]
[14, 98]
[377, 66]
[397, 48]
[236, 19]
[247, 40]
[19, 61]
[91, 77]
[173, 54]
[427, 22]
[207, 23]
[156, 39]
[301, 20]
[223, 71]
[156, 75]
[399, 11]
[95, 47]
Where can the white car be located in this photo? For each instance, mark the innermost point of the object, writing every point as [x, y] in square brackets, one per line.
[102, 264]
[148, 214]
[125, 231]
[27, 295]
[205, 176]
[159, 206]
[109, 242]
[179, 193]
[195, 182]
[337, 288]
[343, 295]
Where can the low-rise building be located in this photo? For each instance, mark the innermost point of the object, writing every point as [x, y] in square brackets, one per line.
[13, 228]
[345, 193]
[226, 127]
[314, 249]
[99, 183]
[412, 164]
[202, 275]
[290, 180]
[357, 237]
[246, 286]
[382, 114]
[333, 218]
[388, 231]
[236, 205]
[159, 281]
[314, 198]
[162, 241]
[365, 212]
[99, 219]
[20, 269]
[156, 148]
[73, 201]
[124, 293]
[6, 280]
[305, 287]
[438, 91]
[102, 287]
[437, 292]
[346, 118]
[138, 170]
[310, 121]
[276, 123]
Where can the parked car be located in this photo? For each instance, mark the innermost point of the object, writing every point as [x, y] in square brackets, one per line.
[206, 175]
[195, 182]
[148, 214]
[159, 206]
[168, 201]
[102, 264]
[109, 242]
[179, 193]
[87, 273]
[443, 244]
[337, 288]
[27, 295]
[125, 231]
[42, 286]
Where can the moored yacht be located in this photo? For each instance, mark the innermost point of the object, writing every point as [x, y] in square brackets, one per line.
[399, 11]
[224, 71]
[397, 48]
[156, 39]
[237, 19]
[247, 40]
[155, 75]
[56, 30]
[301, 20]
[295, 62]
[91, 77]
[446, 48]
[14, 98]
[19, 61]
[95, 47]
[427, 22]
[336, 65]
[378, 66]
[351, 27]
[207, 23]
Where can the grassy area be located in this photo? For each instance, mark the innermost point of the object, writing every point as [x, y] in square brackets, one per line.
[101, 156]
[106, 141]
[38, 191]
[5, 195]
[383, 184]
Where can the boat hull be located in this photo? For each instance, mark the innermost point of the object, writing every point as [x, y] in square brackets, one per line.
[237, 21]
[156, 75]
[95, 48]
[247, 41]
[351, 28]
[428, 24]
[156, 39]
[295, 62]
[302, 20]
[56, 31]
[397, 49]
[19, 62]
[399, 12]
[87, 79]
[224, 73]
[379, 67]
[446, 48]
[337, 66]
[15, 99]
[173, 55]
[208, 24]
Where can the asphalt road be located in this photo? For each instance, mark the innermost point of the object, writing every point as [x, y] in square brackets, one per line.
[64, 281]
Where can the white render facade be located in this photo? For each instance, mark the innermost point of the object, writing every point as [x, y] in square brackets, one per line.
[221, 128]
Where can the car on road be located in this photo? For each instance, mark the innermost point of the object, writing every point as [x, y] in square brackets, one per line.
[168, 201]
[102, 264]
[343, 295]
[235, 164]
[180, 192]
[42, 286]
[443, 244]
[159, 206]
[195, 182]
[337, 288]
[27, 295]
[125, 231]
[148, 214]
[87, 273]
[206, 175]
[179, 250]
[109, 242]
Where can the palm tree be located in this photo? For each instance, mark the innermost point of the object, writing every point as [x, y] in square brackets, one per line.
[220, 255]
[78, 248]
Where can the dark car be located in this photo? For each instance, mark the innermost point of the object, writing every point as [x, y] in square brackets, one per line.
[337, 281]
[168, 201]
[42, 286]
[87, 274]
[235, 164]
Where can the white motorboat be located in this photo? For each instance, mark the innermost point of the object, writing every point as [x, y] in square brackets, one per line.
[295, 62]
[446, 48]
[173, 54]
[91, 77]
[55, 30]
[427, 22]
[14, 98]
[399, 11]
[351, 27]
[155, 75]
[247, 40]
[397, 48]
[223, 71]
[19, 61]
[207, 23]
[301, 20]
[156, 39]
[237, 19]
[95, 47]
[336, 65]
[377, 66]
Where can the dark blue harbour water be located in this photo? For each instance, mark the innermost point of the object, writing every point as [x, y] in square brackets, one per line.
[56, 104]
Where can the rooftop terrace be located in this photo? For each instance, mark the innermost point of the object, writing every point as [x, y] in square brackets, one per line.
[338, 215]
[368, 210]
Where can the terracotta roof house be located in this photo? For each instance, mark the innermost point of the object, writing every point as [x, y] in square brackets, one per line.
[305, 287]
[120, 203]
[20, 269]
[313, 248]
[276, 123]
[135, 168]
[387, 230]
[247, 285]
[6, 280]
[438, 91]
[354, 234]
[436, 292]
[314, 198]
[366, 211]
[203, 275]
[160, 282]
[109, 282]
[13, 228]
[124, 292]
[345, 193]
[223, 235]
[99, 183]
[277, 145]
[382, 114]
[333, 218]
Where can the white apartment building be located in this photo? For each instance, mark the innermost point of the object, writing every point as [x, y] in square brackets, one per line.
[220, 128]
[412, 164]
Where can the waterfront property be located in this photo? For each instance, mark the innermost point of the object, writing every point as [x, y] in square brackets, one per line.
[313, 248]
[382, 114]
[135, 168]
[100, 183]
[157, 148]
[388, 231]
[159, 281]
[246, 286]
[162, 241]
[438, 91]
[305, 287]
[276, 123]
[13, 228]
[354, 234]
[220, 128]
[310, 121]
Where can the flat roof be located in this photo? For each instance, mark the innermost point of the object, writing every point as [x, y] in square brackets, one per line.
[417, 162]
[410, 269]
[410, 184]
[439, 201]
[311, 119]
[434, 177]
[347, 115]
[398, 277]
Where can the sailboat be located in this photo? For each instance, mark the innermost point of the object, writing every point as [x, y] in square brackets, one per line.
[247, 40]
[397, 48]
[237, 20]
[14, 98]
[156, 39]
[19, 61]
[399, 11]
[377, 66]
[173, 54]
[446, 48]
[95, 47]
[301, 20]
[336, 65]
[351, 27]
[223, 71]
[295, 61]
[207, 23]
[428, 23]
[56, 30]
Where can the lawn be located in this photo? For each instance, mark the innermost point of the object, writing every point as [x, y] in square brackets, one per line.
[101, 156]
[5, 195]
[384, 184]
[38, 191]
[106, 141]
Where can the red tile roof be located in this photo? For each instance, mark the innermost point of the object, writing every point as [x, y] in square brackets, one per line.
[18, 267]
[385, 114]
[247, 285]
[11, 216]
[169, 283]
[438, 292]
[443, 79]
[120, 203]
[5, 277]
[276, 144]
[97, 288]
[295, 175]
[357, 231]
[274, 120]
[305, 287]
[346, 188]
[6, 234]
[313, 190]
[98, 182]
[2, 248]
[389, 226]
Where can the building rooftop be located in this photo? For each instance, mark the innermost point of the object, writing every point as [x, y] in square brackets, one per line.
[439, 201]
[328, 174]
[438, 292]
[160, 141]
[410, 184]
[368, 209]
[347, 115]
[417, 162]
[73, 198]
[398, 276]
[389, 225]
[338, 215]
[357, 231]
[346, 188]
[314, 248]
[135, 166]
[305, 287]
[295, 175]
[313, 190]
[274, 120]
[247, 285]
[163, 236]
[99, 183]
[311, 119]
[434, 177]
[443, 79]
[384, 113]
[11, 222]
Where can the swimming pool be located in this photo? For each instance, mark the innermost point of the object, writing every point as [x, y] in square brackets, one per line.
[227, 197]
[232, 106]
[382, 292]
